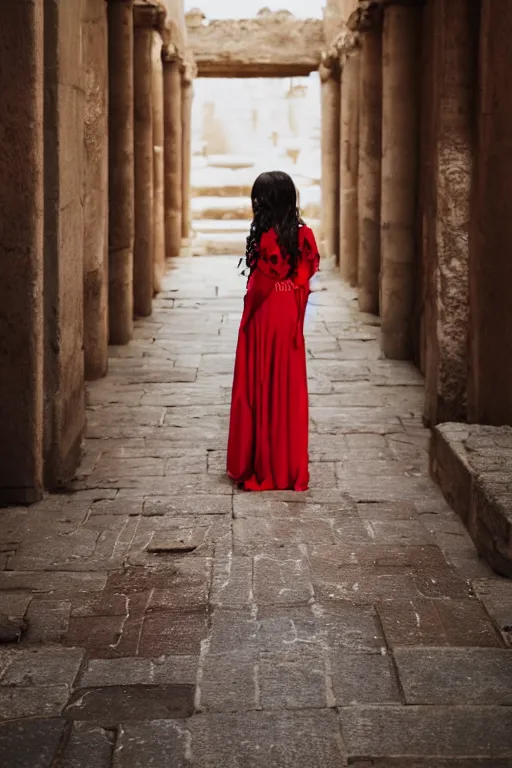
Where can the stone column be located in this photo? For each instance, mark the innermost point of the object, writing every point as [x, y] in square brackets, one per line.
[172, 151]
[21, 252]
[187, 96]
[121, 170]
[330, 148]
[490, 390]
[64, 416]
[400, 124]
[455, 53]
[158, 166]
[95, 192]
[370, 149]
[349, 159]
[146, 17]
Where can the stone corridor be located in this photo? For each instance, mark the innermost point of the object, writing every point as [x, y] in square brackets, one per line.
[166, 620]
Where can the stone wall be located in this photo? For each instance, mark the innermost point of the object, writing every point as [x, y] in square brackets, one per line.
[272, 45]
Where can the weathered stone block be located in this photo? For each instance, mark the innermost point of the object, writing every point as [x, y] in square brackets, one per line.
[165, 670]
[229, 682]
[113, 705]
[30, 743]
[166, 633]
[483, 499]
[274, 739]
[42, 666]
[294, 681]
[425, 731]
[363, 679]
[158, 744]
[455, 676]
[88, 745]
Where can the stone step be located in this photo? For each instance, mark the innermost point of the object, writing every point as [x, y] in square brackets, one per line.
[221, 208]
[232, 162]
[222, 190]
[221, 227]
[217, 242]
[232, 208]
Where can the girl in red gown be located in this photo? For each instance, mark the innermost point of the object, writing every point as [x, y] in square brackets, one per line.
[268, 433]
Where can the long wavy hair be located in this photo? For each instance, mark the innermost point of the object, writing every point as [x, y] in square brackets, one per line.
[274, 205]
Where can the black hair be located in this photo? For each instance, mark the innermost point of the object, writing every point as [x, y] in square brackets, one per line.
[274, 205]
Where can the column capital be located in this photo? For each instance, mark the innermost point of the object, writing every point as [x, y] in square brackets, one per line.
[171, 54]
[367, 16]
[188, 69]
[386, 3]
[344, 44]
[329, 67]
[148, 14]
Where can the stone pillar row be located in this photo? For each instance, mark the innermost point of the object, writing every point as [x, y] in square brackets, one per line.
[378, 51]
[84, 87]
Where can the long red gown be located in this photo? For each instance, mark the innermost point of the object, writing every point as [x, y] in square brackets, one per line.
[268, 432]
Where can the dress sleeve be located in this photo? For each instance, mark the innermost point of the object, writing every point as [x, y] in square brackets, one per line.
[271, 262]
[310, 253]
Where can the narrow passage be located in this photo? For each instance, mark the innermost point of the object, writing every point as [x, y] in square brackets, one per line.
[167, 620]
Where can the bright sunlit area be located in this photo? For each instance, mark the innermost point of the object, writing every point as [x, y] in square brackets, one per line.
[241, 128]
[239, 9]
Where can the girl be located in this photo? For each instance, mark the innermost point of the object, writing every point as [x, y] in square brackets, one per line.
[268, 434]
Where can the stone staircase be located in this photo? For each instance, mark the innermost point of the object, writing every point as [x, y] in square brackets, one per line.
[221, 204]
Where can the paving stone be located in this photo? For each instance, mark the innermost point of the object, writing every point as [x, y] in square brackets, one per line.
[14, 605]
[48, 620]
[187, 589]
[229, 683]
[167, 633]
[460, 623]
[260, 534]
[282, 577]
[165, 670]
[11, 629]
[89, 746]
[360, 584]
[496, 595]
[436, 762]
[112, 705]
[455, 676]
[188, 505]
[232, 585]
[31, 701]
[359, 678]
[48, 581]
[51, 666]
[250, 506]
[426, 731]
[345, 627]
[157, 744]
[274, 739]
[30, 743]
[294, 681]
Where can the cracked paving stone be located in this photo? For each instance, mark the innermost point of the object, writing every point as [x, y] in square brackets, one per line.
[419, 731]
[298, 739]
[178, 506]
[89, 746]
[294, 681]
[18, 701]
[168, 633]
[158, 744]
[232, 582]
[459, 623]
[165, 670]
[30, 743]
[281, 577]
[112, 705]
[455, 675]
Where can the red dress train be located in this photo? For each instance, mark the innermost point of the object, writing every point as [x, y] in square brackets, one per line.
[268, 432]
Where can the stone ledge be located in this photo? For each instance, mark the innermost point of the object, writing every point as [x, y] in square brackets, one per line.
[472, 465]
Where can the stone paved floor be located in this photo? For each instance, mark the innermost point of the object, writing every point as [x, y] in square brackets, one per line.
[170, 621]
